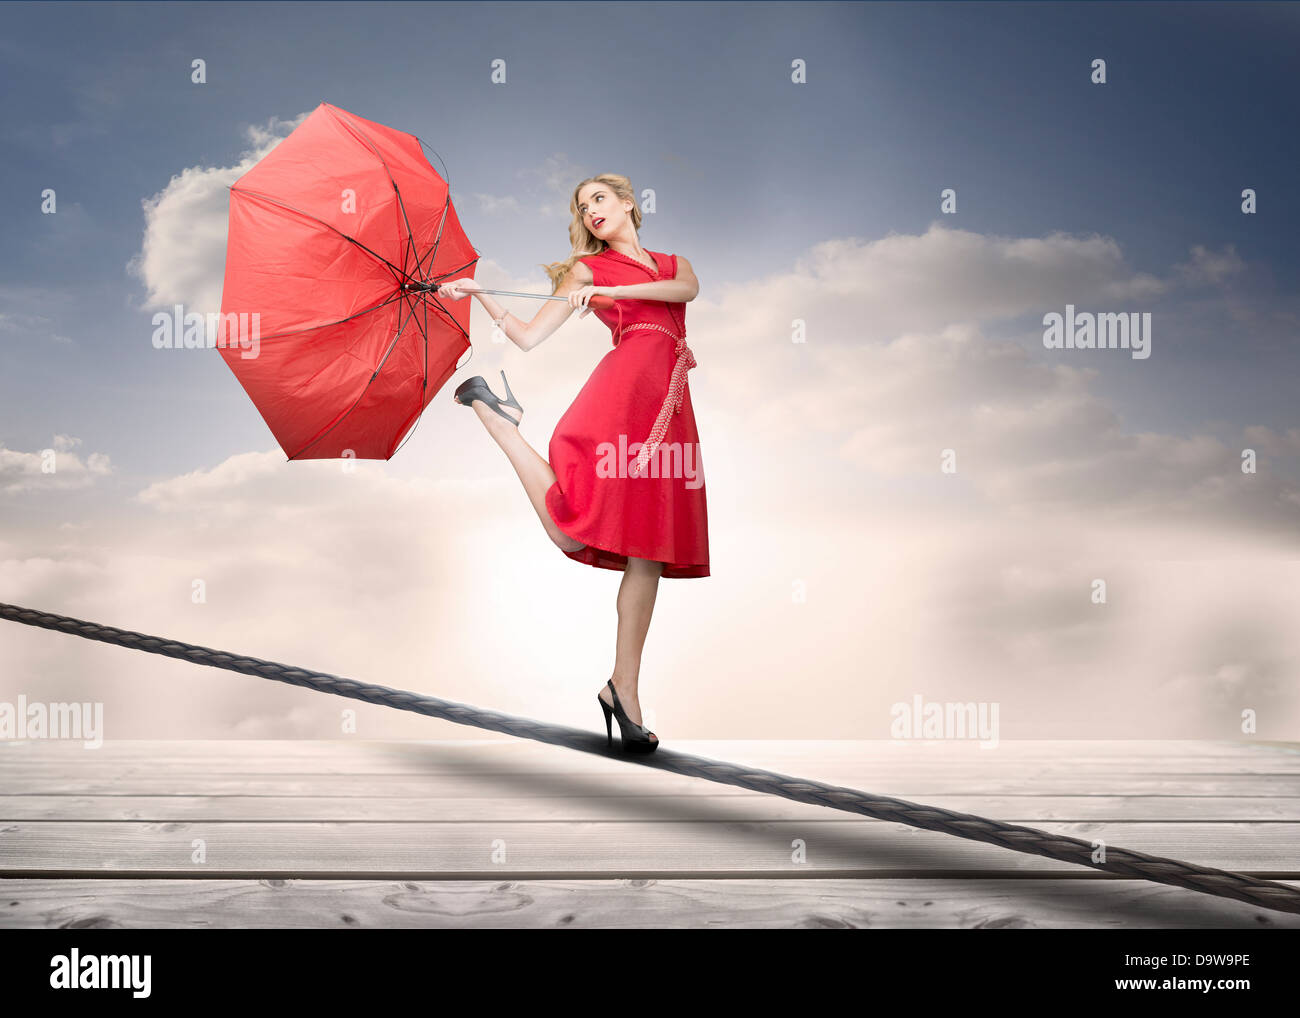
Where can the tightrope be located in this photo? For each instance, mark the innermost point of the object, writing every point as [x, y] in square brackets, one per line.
[1119, 861]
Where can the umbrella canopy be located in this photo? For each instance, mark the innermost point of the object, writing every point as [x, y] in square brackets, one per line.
[325, 234]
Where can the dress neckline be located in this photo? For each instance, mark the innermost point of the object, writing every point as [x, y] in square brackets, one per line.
[628, 258]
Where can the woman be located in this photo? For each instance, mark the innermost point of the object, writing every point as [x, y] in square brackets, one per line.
[646, 516]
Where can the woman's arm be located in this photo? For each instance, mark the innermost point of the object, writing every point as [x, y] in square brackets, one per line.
[685, 287]
[552, 315]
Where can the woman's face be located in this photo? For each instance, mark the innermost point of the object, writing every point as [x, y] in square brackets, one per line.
[602, 213]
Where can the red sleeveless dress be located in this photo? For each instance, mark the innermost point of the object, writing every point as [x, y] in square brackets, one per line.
[629, 481]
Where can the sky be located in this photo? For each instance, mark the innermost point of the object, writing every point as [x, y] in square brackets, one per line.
[945, 177]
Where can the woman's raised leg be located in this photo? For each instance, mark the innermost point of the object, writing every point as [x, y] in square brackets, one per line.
[534, 472]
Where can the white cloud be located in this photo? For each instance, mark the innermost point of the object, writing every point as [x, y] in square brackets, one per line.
[183, 255]
[904, 359]
[556, 177]
[55, 468]
[19, 322]
[1205, 266]
[493, 204]
[557, 173]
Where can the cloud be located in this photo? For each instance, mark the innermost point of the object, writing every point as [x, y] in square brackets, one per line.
[352, 571]
[557, 173]
[555, 177]
[901, 285]
[493, 204]
[56, 468]
[183, 256]
[19, 322]
[1207, 267]
[913, 347]
[1273, 443]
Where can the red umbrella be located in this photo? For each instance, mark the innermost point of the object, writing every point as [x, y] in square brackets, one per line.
[338, 239]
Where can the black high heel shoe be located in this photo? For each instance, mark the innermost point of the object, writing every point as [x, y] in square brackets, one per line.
[476, 388]
[634, 738]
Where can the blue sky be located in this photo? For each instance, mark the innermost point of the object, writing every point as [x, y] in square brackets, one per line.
[818, 201]
[690, 99]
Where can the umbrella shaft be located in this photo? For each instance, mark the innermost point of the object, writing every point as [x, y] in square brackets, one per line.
[504, 293]
[514, 293]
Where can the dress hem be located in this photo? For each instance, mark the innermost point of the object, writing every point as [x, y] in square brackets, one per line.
[603, 558]
[608, 558]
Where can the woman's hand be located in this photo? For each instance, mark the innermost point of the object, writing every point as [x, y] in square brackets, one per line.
[458, 289]
[579, 298]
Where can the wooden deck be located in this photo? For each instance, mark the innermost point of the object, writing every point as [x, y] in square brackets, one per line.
[511, 833]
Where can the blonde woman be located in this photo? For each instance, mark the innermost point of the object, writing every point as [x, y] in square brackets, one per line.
[623, 488]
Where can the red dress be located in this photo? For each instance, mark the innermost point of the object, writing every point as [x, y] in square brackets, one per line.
[629, 481]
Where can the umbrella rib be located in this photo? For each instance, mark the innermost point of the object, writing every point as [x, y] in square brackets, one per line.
[365, 311]
[312, 328]
[446, 313]
[438, 239]
[431, 296]
[410, 234]
[364, 389]
[424, 379]
[424, 303]
[452, 272]
[398, 274]
[424, 384]
[391, 346]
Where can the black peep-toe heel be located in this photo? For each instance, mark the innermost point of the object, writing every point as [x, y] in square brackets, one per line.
[634, 738]
[476, 388]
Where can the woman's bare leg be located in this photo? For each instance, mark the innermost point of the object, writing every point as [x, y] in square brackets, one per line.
[636, 602]
[636, 593]
[535, 473]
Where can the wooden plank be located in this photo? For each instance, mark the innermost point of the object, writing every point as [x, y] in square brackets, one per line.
[648, 849]
[925, 903]
[34, 771]
[709, 802]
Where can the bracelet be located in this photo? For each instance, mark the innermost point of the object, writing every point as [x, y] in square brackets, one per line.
[497, 321]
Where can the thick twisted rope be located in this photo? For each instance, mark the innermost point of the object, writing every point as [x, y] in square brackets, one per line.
[1119, 861]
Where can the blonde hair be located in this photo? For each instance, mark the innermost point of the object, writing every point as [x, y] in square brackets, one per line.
[585, 242]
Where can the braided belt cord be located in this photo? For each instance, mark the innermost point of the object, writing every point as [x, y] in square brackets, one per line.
[1121, 862]
[683, 361]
